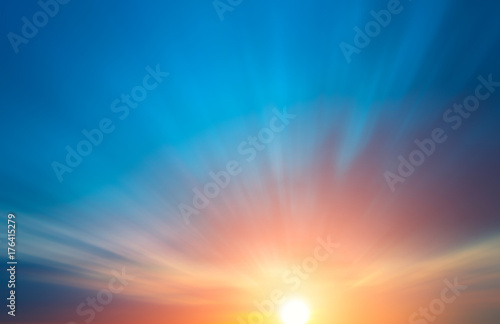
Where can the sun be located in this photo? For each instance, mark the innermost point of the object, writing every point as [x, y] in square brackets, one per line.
[295, 311]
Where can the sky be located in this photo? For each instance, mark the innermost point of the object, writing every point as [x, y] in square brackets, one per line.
[192, 162]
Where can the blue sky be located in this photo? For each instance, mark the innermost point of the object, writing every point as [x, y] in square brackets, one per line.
[262, 54]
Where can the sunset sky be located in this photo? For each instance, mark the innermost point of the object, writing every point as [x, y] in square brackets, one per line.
[259, 164]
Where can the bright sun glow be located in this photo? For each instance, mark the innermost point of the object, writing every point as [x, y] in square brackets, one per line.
[295, 312]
